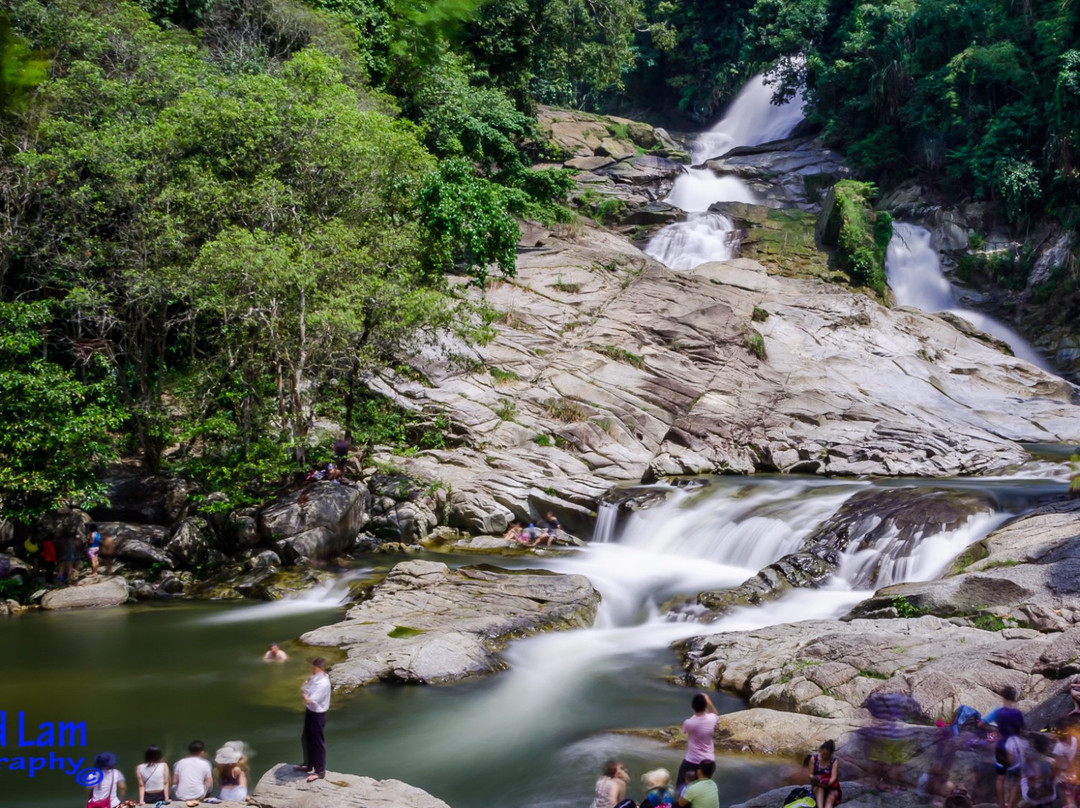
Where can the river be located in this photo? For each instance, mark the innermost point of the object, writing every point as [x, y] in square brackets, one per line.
[536, 735]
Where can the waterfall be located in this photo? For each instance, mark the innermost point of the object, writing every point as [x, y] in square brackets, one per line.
[606, 516]
[914, 273]
[751, 118]
[703, 237]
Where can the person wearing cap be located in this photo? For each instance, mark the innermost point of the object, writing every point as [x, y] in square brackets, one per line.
[193, 776]
[316, 695]
[111, 786]
[231, 774]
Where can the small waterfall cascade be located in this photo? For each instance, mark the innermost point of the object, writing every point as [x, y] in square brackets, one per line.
[914, 273]
[606, 517]
[324, 596]
[703, 237]
[751, 119]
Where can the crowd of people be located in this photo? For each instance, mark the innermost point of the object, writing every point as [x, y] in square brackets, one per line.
[955, 764]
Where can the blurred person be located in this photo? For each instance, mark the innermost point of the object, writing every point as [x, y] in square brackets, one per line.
[701, 791]
[152, 775]
[193, 776]
[657, 791]
[231, 773]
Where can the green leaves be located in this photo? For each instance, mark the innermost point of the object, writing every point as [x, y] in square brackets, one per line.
[468, 223]
[55, 430]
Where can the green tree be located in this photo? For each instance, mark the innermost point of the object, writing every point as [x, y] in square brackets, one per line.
[55, 430]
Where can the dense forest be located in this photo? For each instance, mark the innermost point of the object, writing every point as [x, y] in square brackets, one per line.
[218, 216]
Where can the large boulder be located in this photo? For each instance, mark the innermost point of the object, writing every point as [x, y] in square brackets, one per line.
[90, 593]
[156, 535]
[477, 512]
[403, 510]
[790, 173]
[828, 668]
[141, 553]
[190, 545]
[154, 500]
[339, 510]
[284, 787]
[426, 623]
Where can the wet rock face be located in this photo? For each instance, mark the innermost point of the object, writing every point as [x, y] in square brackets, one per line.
[427, 624]
[790, 173]
[900, 516]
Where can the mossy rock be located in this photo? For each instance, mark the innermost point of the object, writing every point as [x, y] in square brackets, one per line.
[858, 235]
[782, 240]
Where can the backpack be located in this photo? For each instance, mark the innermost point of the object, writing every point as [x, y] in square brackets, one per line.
[800, 797]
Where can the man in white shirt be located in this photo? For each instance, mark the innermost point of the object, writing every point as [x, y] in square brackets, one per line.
[193, 777]
[316, 694]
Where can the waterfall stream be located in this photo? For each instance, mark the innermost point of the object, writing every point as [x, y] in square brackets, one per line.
[751, 119]
[914, 274]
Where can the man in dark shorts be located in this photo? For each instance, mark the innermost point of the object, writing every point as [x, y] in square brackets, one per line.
[1010, 723]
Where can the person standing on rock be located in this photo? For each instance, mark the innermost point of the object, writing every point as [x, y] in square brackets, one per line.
[316, 695]
[1010, 725]
[699, 729]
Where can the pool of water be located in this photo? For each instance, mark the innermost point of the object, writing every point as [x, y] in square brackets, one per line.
[167, 674]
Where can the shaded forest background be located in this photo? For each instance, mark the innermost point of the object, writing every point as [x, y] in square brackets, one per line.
[218, 216]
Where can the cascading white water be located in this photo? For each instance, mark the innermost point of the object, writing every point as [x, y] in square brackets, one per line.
[913, 269]
[751, 119]
[606, 516]
[703, 237]
[324, 596]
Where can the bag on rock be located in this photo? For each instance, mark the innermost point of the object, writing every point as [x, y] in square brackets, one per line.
[800, 797]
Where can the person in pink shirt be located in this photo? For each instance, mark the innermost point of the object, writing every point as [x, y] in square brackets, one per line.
[699, 729]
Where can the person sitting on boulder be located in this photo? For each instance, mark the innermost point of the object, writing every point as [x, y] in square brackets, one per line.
[513, 535]
[825, 776]
[552, 527]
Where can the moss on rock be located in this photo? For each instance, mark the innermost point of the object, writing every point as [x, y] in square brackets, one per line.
[858, 233]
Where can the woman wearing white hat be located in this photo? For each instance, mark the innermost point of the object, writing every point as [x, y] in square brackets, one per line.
[231, 774]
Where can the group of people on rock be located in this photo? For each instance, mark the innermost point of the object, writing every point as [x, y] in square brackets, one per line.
[533, 533]
[191, 779]
[694, 785]
[57, 561]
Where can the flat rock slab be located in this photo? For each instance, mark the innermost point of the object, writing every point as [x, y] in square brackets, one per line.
[828, 668]
[763, 732]
[426, 623]
[90, 593]
[284, 787]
